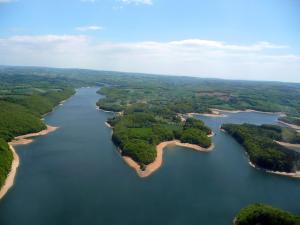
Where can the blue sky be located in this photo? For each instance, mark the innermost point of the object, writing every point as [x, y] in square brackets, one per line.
[235, 39]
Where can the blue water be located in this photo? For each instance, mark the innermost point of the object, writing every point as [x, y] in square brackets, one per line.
[75, 176]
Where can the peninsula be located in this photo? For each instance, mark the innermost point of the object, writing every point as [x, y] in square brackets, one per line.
[142, 137]
[266, 147]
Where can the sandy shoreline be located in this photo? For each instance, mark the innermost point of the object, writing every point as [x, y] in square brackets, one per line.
[220, 112]
[20, 140]
[296, 127]
[25, 139]
[107, 111]
[285, 144]
[108, 125]
[152, 167]
[293, 175]
[9, 182]
[211, 135]
[213, 114]
[104, 110]
[247, 110]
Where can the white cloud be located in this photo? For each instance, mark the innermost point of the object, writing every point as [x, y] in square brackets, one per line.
[209, 58]
[137, 2]
[89, 28]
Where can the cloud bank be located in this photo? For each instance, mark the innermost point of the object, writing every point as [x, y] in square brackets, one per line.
[196, 57]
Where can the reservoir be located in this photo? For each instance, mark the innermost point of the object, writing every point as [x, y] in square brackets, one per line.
[75, 176]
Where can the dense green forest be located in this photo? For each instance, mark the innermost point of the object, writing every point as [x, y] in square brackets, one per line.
[23, 100]
[138, 133]
[260, 214]
[6, 158]
[263, 151]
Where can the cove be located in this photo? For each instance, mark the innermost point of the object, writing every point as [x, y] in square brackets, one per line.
[75, 176]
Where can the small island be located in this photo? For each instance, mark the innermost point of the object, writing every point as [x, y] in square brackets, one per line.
[265, 215]
[265, 146]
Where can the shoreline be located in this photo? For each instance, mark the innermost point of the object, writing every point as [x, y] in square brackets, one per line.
[108, 125]
[220, 113]
[26, 139]
[213, 114]
[61, 103]
[98, 108]
[296, 127]
[247, 110]
[157, 163]
[292, 175]
[20, 140]
[289, 145]
[211, 135]
[10, 179]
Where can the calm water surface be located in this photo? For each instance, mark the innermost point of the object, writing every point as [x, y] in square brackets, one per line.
[74, 176]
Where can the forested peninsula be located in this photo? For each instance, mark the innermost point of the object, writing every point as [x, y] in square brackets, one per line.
[262, 144]
[138, 135]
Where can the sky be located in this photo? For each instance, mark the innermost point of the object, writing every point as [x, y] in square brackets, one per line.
[231, 39]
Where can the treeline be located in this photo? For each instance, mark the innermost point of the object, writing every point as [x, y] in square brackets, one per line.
[261, 214]
[262, 150]
[138, 133]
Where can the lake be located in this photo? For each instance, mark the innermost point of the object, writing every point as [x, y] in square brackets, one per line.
[75, 176]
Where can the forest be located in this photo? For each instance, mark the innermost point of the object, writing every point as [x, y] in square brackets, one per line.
[171, 93]
[23, 101]
[263, 151]
[138, 133]
[265, 215]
